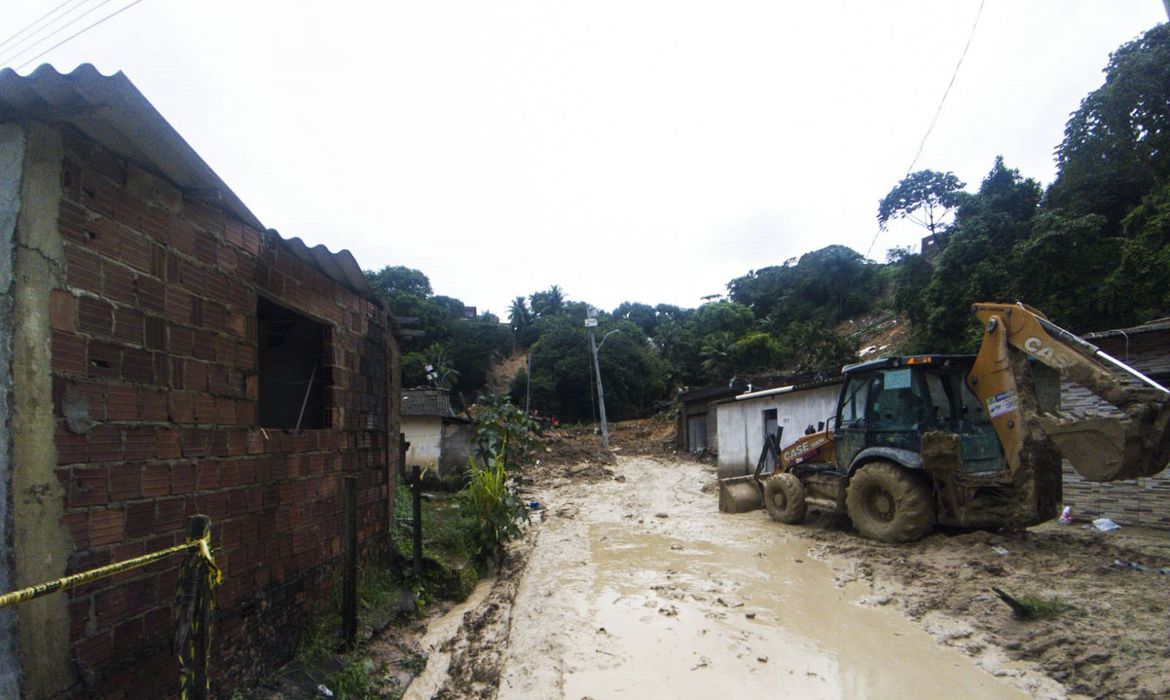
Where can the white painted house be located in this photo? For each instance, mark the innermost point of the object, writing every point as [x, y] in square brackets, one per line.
[743, 422]
[439, 440]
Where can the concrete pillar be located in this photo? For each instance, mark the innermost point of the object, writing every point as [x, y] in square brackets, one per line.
[11, 168]
[40, 543]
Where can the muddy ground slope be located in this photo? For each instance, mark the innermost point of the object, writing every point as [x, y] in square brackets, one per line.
[636, 584]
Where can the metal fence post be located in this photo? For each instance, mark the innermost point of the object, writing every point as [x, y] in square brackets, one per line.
[416, 508]
[349, 592]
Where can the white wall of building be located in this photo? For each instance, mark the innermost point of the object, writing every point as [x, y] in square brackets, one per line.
[741, 424]
[424, 434]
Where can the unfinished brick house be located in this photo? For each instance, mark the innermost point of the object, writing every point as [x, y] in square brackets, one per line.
[162, 354]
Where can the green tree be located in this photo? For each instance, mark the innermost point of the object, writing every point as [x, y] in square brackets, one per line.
[717, 353]
[642, 314]
[634, 375]
[400, 279]
[756, 351]
[442, 373]
[413, 369]
[829, 284]
[1139, 288]
[815, 347]
[1115, 145]
[977, 264]
[911, 274]
[473, 347]
[550, 302]
[925, 197]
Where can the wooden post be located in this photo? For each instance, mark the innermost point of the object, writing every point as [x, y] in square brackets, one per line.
[199, 608]
[349, 584]
[416, 508]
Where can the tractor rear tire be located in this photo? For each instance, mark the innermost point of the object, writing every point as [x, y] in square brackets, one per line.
[889, 503]
[784, 499]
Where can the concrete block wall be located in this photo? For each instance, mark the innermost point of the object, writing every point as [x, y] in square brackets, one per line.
[155, 389]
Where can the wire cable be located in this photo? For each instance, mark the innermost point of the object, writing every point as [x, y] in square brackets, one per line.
[938, 110]
[37, 21]
[12, 56]
[79, 33]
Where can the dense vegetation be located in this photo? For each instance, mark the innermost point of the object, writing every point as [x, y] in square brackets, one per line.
[1092, 251]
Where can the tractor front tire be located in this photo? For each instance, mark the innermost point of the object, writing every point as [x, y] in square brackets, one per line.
[889, 503]
[784, 499]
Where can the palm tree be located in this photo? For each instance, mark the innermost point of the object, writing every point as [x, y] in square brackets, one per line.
[442, 371]
[519, 317]
[716, 353]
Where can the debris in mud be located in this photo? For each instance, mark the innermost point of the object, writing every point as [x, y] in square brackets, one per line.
[661, 515]
[1088, 604]
[762, 659]
[750, 615]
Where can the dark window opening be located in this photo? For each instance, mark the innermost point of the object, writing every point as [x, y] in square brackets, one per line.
[294, 369]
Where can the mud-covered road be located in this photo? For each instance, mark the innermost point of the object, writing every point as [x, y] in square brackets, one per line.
[641, 588]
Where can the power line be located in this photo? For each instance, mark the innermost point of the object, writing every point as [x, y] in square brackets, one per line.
[15, 51]
[938, 110]
[950, 84]
[80, 32]
[37, 21]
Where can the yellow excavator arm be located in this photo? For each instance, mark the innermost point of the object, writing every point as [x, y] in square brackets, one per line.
[1100, 448]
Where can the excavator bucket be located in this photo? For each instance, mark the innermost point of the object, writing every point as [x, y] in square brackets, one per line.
[1108, 448]
[739, 494]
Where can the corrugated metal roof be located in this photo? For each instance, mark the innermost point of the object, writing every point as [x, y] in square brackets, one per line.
[112, 112]
[1160, 324]
[426, 402]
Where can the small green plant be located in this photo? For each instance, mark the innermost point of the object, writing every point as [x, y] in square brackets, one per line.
[355, 680]
[414, 662]
[495, 507]
[1038, 608]
[503, 428]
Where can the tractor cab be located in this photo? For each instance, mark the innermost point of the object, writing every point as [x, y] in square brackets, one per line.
[887, 404]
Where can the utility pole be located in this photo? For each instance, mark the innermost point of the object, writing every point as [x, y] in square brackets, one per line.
[591, 323]
[528, 376]
[1166, 4]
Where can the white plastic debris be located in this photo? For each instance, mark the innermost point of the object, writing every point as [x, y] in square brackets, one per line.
[1105, 525]
[325, 692]
[1066, 516]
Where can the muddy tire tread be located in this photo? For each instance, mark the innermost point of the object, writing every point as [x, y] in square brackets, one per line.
[914, 514]
[784, 498]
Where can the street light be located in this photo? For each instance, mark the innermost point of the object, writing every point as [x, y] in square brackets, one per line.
[591, 323]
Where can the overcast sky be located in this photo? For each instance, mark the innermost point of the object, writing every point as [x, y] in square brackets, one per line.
[623, 150]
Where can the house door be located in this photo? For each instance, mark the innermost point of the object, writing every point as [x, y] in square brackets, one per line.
[770, 423]
[697, 433]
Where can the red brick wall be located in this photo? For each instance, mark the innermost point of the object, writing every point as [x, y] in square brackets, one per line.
[155, 340]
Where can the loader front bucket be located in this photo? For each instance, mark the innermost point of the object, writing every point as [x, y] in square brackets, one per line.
[739, 494]
[1111, 449]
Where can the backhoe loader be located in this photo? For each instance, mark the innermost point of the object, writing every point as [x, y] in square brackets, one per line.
[967, 441]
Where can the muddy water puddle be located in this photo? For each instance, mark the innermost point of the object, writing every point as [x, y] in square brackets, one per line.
[689, 619]
[691, 603]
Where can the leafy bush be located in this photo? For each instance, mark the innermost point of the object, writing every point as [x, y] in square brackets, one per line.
[504, 429]
[496, 508]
